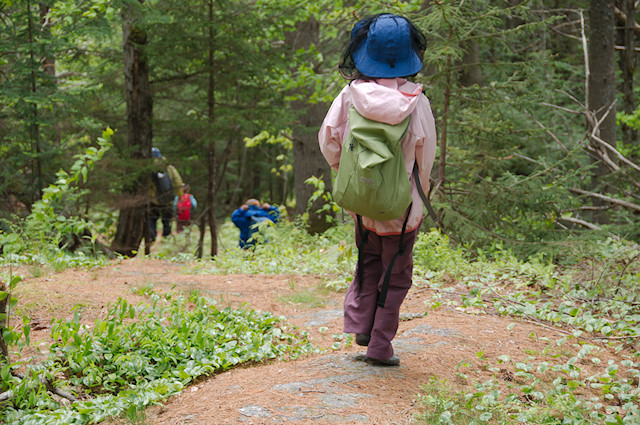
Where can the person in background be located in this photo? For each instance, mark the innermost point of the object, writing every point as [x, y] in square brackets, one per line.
[384, 51]
[166, 184]
[184, 207]
[247, 217]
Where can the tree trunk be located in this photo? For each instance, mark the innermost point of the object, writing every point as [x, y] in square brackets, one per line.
[202, 225]
[34, 127]
[307, 158]
[627, 64]
[471, 73]
[601, 85]
[49, 62]
[49, 65]
[133, 210]
[308, 161]
[211, 192]
[442, 160]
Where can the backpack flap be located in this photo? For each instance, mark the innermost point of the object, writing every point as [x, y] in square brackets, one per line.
[184, 207]
[164, 188]
[372, 179]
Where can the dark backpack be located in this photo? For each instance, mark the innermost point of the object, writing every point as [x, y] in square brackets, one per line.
[164, 187]
[184, 207]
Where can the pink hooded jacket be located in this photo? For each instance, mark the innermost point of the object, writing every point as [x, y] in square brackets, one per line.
[388, 100]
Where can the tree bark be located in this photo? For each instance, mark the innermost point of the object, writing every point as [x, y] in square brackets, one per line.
[627, 64]
[49, 65]
[34, 126]
[601, 84]
[133, 210]
[211, 192]
[307, 158]
[49, 62]
[471, 73]
[442, 160]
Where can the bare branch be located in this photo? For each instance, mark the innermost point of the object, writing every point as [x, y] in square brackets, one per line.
[580, 222]
[592, 119]
[602, 156]
[546, 130]
[562, 108]
[616, 152]
[587, 72]
[622, 18]
[572, 97]
[61, 75]
[47, 383]
[616, 201]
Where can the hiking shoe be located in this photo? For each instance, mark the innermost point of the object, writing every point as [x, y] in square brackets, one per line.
[393, 361]
[363, 339]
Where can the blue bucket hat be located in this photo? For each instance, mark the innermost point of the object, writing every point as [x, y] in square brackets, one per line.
[155, 153]
[387, 52]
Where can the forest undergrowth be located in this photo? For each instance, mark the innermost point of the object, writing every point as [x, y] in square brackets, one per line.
[135, 356]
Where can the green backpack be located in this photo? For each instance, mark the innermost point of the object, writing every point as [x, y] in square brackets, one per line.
[372, 179]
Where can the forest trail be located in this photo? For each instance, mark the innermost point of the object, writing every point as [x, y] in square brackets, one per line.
[331, 387]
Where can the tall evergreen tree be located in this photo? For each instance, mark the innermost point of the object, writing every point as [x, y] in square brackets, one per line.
[308, 160]
[134, 208]
[601, 92]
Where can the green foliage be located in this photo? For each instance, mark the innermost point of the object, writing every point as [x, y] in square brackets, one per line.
[289, 250]
[433, 255]
[310, 297]
[512, 154]
[139, 355]
[594, 302]
[547, 389]
[604, 302]
[10, 336]
[329, 208]
[56, 218]
[40, 95]
[487, 404]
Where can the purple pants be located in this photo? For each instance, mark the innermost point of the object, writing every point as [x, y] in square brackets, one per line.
[361, 312]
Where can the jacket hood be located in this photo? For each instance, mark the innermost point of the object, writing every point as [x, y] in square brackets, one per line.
[387, 100]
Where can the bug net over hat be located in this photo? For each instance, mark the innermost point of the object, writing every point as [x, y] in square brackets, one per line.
[384, 46]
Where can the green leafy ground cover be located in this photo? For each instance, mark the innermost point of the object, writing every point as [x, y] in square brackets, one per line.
[591, 297]
[143, 354]
[593, 301]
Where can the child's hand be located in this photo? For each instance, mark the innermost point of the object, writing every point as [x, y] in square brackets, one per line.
[244, 207]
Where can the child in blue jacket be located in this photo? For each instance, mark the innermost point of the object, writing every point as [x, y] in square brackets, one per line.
[248, 216]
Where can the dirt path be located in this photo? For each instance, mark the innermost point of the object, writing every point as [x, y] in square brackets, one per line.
[331, 387]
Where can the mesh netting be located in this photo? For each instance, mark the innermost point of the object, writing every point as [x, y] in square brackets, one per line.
[359, 33]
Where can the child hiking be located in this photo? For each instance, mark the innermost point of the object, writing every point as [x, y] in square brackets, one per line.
[183, 207]
[383, 51]
[248, 216]
[166, 183]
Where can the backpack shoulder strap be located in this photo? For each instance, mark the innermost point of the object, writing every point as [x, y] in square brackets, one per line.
[425, 198]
